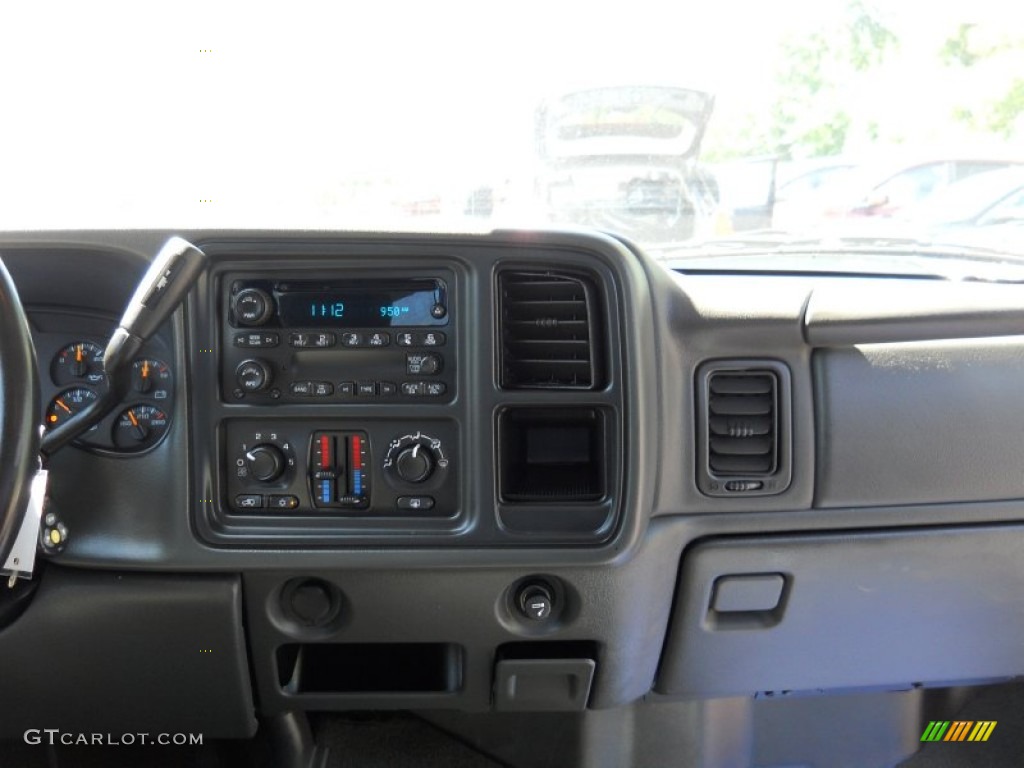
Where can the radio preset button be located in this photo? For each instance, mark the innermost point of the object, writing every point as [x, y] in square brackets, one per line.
[312, 340]
[378, 339]
[352, 339]
[431, 339]
[420, 339]
[316, 340]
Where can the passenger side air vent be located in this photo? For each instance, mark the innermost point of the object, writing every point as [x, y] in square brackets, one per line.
[744, 412]
[742, 423]
[550, 331]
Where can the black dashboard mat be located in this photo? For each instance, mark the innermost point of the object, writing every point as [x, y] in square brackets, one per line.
[227, 754]
[395, 740]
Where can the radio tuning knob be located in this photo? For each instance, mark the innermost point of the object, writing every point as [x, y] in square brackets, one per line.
[253, 375]
[252, 306]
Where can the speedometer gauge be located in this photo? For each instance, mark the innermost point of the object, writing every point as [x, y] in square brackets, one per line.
[81, 362]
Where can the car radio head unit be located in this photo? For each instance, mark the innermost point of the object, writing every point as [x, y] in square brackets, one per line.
[330, 340]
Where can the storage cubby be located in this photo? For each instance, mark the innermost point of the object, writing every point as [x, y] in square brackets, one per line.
[318, 668]
[552, 455]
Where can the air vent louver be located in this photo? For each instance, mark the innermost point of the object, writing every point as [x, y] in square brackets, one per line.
[549, 332]
[742, 423]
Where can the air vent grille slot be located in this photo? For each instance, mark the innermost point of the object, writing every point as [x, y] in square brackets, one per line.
[549, 331]
[743, 423]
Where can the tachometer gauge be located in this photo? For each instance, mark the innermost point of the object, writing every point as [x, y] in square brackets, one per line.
[151, 377]
[67, 404]
[139, 427]
[81, 362]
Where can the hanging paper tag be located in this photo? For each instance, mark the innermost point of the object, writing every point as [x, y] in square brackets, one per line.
[22, 559]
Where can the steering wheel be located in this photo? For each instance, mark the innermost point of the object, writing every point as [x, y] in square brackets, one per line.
[19, 413]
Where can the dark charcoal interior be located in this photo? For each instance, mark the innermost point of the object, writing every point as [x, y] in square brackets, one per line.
[518, 499]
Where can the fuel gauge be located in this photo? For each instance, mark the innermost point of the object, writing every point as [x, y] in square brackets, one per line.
[139, 427]
[67, 404]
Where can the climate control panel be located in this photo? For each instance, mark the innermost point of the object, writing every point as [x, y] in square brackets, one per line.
[339, 470]
[371, 467]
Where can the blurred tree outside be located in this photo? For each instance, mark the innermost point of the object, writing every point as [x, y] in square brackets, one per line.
[869, 79]
[992, 56]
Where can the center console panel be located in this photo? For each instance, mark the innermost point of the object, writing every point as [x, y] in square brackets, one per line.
[451, 395]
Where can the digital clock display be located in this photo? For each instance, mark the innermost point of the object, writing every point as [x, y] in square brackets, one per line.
[372, 308]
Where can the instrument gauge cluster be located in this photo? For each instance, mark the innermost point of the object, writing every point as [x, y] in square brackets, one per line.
[72, 378]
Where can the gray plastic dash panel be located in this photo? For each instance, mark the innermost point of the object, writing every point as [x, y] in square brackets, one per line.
[876, 610]
[839, 315]
[918, 423]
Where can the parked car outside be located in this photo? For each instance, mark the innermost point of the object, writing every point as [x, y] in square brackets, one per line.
[625, 159]
[848, 193]
[992, 197]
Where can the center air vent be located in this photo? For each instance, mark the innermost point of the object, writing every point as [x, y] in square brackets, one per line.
[744, 416]
[549, 330]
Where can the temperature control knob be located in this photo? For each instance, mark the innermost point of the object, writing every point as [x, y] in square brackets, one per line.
[253, 375]
[415, 458]
[415, 464]
[252, 307]
[266, 462]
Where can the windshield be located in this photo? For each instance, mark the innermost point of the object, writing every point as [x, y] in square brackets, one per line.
[667, 125]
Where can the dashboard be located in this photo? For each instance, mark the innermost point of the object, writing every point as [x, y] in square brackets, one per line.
[516, 472]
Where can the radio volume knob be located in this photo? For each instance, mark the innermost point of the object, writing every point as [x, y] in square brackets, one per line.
[253, 375]
[252, 306]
